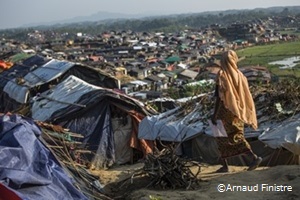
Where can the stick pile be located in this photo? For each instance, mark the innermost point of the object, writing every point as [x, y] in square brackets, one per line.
[167, 170]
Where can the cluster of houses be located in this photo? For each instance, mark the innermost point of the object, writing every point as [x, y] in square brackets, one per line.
[144, 61]
[94, 87]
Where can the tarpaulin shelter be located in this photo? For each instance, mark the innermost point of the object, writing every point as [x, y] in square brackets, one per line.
[28, 170]
[12, 76]
[173, 126]
[187, 125]
[178, 124]
[108, 120]
[33, 76]
[286, 135]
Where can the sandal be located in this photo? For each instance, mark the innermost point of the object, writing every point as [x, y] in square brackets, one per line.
[254, 164]
[222, 170]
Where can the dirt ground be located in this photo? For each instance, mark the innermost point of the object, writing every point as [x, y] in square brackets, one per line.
[237, 179]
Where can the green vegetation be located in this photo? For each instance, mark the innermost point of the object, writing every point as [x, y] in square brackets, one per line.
[262, 55]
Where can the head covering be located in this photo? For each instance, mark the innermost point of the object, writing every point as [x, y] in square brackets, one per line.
[234, 90]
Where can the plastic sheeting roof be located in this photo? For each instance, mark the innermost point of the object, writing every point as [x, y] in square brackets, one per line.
[47, 72]
[65, 103]
[10, 74]
[44, 74]
[285, 134]
[61, 96]
[175, 126]
[169, 127]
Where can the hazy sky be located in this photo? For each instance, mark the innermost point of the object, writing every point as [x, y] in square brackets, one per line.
[15, 13]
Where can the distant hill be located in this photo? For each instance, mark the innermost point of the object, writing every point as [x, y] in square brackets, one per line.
[103, 21]
[99, 16]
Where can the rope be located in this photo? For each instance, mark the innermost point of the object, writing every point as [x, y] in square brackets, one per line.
[63, 102]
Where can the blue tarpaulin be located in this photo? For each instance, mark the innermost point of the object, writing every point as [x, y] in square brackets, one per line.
[27, 167]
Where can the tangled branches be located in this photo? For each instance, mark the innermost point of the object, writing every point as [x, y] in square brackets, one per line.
[168, 170]
[277, 101]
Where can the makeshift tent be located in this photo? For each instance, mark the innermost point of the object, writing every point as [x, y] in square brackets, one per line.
[178, 124]
[187, 125]
[175, 125]
[28, 170]
[205, 149]
[12, 76]
[285, 134]
[102, 116]
[35, 78]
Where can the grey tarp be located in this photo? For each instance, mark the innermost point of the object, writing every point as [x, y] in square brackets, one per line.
[285, 134]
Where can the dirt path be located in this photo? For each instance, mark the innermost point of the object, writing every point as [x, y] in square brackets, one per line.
[279, 176]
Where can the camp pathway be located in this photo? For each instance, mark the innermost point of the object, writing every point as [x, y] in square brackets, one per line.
[285, 175]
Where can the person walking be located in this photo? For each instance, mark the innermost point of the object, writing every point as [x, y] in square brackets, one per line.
[235, 107]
